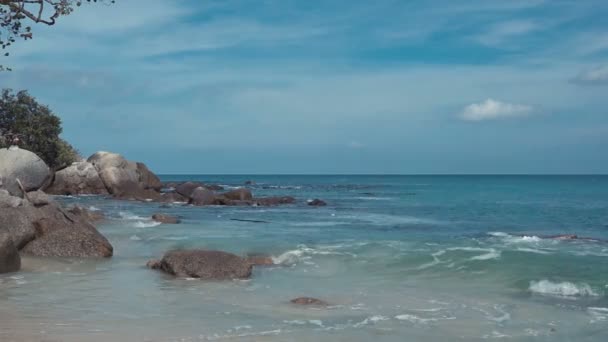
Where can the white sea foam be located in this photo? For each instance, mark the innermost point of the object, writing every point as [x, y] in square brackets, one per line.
[125, 215]
[513, 239]
[93, 208]
[414, 319]
[146, 224]
[532, 250]
[372, 198]
[598, 314]
[490, 253]
[371, 320]
[304, 254]
[563, 289]
[135, 238]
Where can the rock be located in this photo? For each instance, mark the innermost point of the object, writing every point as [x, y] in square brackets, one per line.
[148, 179]
[9, 201]
[77, 179]
[202, 196]
[49, 230]
[214, 187]
[271, 201]
[172, 197]
[16, 163]
[308, 301]
[249, 182]
[317, 203]
[153, 264]
[186, 189]
[81, 240]
[38, 198]
[203, 264]
[240, 194]
[167, 219]
[85, 214]
[260, 260]
[564, 237]
[125, 179]
[10, 261]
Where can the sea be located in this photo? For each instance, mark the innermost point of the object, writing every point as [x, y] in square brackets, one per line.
[398, 258]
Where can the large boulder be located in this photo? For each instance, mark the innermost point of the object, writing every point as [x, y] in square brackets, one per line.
[77, 179]
[10, 261]
[44, 228]
[203, 264]
[186, 189]
[240, 194]
[172, 197]
[202, 196]
[17, 163]
[126, 179]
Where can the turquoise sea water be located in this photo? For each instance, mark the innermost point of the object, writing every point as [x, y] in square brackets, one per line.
[400, 258]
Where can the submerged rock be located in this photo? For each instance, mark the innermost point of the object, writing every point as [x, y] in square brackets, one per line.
[317, 203]
[10, 261]
[204, 264]
[17, 163]
[77, 179]
[272, 201]
[308, 301]
[260, 260]
[167, 219]
[85, 214]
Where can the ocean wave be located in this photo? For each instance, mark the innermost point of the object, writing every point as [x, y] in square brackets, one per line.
[598, 314]
[146, 224]
[372, 198]
[125, 215]
[490, 254]
[414, 319]
[371, 320]
[516, 238]
[304, 254]
[563, 289]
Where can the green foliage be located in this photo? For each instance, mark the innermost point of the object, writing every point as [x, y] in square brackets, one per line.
[36, 127]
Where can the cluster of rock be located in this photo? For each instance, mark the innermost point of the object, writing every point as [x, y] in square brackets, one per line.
[201, 194]
[106, 173]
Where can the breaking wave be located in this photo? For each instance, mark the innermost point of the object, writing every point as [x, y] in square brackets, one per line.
[563, 289]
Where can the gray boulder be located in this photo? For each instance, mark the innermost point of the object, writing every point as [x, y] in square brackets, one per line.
[186, 189]
[78, 179]
[202, 196]
[10, 261]
[49, 230]
[17, 163]
[240, 194]
[203, 264]
[126, 179]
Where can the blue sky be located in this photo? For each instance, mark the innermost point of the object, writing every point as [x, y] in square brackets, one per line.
[280, 86]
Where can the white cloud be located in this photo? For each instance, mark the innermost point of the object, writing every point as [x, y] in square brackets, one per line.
[595, 76]
[498, 34]
[491, 110]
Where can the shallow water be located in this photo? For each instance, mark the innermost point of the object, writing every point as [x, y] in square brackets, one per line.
[398, 257]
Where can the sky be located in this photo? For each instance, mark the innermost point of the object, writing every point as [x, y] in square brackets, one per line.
[340, 86]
